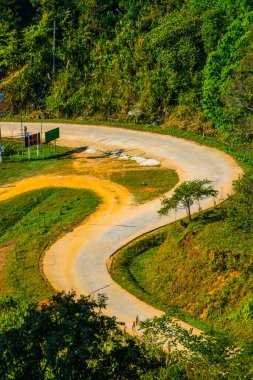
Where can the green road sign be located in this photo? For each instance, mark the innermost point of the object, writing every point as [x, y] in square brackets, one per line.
[52, 135]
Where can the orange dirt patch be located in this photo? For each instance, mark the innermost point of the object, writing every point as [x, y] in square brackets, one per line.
[151, 189]
[102, 188]
[45, 303]
[101, 167]
[204, 313]
[222, 281]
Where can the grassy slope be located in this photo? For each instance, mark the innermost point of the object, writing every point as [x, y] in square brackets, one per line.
[30, 224]
[203, 269]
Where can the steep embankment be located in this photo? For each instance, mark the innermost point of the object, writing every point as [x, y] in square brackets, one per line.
[202, 269]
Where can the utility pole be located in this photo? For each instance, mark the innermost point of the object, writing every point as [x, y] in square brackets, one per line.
[53, 70]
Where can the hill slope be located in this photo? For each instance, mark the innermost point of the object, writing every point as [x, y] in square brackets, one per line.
[202, 268]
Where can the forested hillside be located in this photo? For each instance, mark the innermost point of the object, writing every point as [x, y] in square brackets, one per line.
[187, 63]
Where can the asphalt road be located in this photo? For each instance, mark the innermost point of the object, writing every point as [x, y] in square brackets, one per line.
[87, 272]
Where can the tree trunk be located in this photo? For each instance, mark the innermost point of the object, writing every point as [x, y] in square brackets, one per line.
[189, 213]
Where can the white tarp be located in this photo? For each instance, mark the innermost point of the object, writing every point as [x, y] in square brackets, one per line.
[90, 151]
[150, 162]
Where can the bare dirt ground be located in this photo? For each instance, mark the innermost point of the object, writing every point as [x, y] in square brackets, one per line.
[102, 168]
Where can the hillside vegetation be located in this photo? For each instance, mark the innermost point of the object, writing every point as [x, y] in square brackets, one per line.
[69, 338]
[200, 269]
[187, 63]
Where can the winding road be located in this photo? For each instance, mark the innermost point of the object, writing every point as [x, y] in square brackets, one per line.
[78, 260]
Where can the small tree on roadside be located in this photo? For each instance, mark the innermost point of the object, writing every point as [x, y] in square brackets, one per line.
[185, 195]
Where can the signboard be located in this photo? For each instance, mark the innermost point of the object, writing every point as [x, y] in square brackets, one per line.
[31, 140]
[1, 97]
[52, 135]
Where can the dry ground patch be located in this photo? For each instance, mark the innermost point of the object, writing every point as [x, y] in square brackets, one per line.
[145, 183]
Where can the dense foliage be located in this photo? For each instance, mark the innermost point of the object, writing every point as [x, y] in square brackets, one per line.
[185, 62]
[200, 356]
[67, 338]
[241, 211]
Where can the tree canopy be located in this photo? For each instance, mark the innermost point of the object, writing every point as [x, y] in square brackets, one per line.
[185, 195]
[186, 62]
[68, 338]
[198, 356]
[241, 207]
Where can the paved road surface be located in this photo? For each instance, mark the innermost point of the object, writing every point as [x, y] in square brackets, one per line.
[87, 272]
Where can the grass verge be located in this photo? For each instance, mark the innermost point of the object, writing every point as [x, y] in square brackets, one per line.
[120, 267]
[15, 168]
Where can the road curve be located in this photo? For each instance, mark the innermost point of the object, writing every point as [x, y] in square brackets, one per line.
[87, 271]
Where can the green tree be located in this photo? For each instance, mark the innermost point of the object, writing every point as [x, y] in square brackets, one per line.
[241, 210]
[237, 95]
[69, 338]
[185, 195]
[203, 356]
[219, 68]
